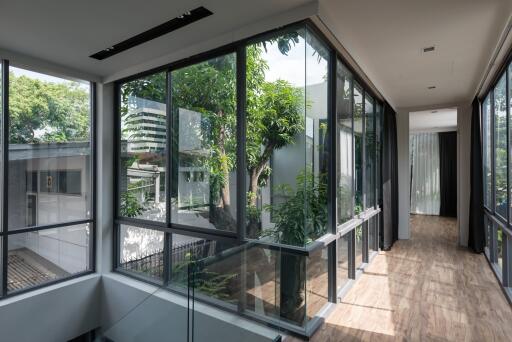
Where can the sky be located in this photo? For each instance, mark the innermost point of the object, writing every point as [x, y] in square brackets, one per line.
[291, 67]
[45, 77]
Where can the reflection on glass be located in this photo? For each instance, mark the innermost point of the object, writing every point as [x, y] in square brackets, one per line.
[343, 252]
[344, 165]
[372, 233]
[141, 251]
[500, 145]
[49, 150]
[358, 147]
[359, 246]
[317, 282]
[369, 151]
[262, 280]
[487, 152]
[500, 241]
[378, 145]
[204, 144]
[286, 138]
[143, 141]
[510, 133]
[211, 267]
[41, 256]
[276, 284]
[488, 231]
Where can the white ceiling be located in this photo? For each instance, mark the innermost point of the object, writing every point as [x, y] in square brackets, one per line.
[439, 120]
[386, 39]
[66, 32]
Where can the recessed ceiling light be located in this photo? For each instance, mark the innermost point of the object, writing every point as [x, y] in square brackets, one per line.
[431, 87]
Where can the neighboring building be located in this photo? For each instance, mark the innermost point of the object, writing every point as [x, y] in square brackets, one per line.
[49, 183]
[145, 125]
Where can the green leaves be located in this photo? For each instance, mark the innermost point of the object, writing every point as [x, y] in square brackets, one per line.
[42, 111]
[302, 217]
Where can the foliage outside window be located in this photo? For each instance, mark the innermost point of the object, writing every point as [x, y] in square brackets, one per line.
[500, 148]
[49, 181]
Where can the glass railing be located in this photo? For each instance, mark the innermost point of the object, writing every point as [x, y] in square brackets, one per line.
[209, 275]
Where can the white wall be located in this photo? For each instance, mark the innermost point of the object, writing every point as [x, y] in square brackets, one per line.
[54, 314]
[402, 129]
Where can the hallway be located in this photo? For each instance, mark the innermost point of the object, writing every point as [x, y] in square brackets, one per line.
[425, 288]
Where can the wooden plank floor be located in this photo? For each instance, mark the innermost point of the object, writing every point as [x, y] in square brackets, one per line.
[424, 289]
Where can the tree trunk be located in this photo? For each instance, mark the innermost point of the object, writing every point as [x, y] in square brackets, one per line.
[223, 218]
[254, 226]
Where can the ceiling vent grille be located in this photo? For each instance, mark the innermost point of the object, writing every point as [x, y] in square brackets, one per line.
[180, 21]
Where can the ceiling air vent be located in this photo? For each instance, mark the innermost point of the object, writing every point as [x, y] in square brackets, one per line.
[180, 21]
[429, 49]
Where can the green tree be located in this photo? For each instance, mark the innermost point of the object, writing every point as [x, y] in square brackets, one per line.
[41, 111]
[274, 114]
[209, 88]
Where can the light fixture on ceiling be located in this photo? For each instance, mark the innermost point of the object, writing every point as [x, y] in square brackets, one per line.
[180, 21]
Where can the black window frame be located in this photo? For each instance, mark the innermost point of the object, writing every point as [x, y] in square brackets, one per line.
[334, 231]
[493, 219]
[5, 232]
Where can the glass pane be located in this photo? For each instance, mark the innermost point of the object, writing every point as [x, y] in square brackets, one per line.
[204, 144]
[378, 144]
[500, 145]
[276, 284]
[49, 144]
[488, 231]
[38, 257]
[1, 140]
[262, 281]
[344, 165]
[510, 134]
[372, 233]
[317, 140]
[358, 146]
[277, 130]
[343, 253]
[211, 267]
[141, 251]
[500, 240]
[143, 140]
[359, 246]
[487, 152]
[370, 151]
[317, 282]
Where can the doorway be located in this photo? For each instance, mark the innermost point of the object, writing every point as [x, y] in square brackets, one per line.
[433, 162]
